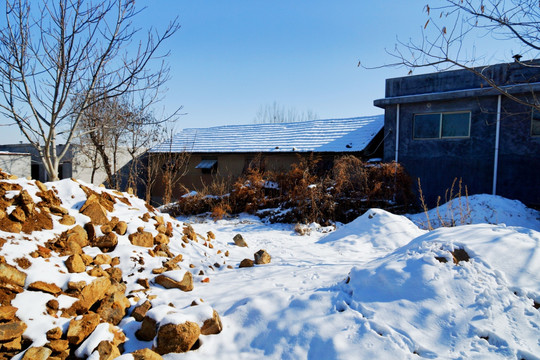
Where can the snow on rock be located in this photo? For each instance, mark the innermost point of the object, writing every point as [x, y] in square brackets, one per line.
[67, 251]
[477, 209]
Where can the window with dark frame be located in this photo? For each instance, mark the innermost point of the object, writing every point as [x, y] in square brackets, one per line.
[444, 125]
[535, 122]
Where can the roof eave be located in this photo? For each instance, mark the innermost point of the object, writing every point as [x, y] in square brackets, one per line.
[457, 94]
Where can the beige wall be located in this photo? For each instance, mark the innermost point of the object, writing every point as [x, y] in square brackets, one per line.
[230, 167]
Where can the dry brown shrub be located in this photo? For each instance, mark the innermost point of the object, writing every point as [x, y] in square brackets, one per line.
[248, 193]
[220, 211]
[305, 194]
[350, 175]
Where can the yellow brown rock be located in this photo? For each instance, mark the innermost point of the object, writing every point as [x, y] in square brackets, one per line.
[262, 257]
[140, 311]
[67, 220]
[161, 239]
[177, 338]
[54, 333]
[44, 287]
[13, 345]
[37, 353]
[106, 242]
[91, 293]
[185, 285]
[58, 345]
[107, 351]
[101, 259]
[8, 225]
[79, 330]
[18, 215]
[213, 325]
[11, 330]
[107, 228]
[12, 275]
[113, 308]
[7, 313]
[82, 235]
[57, 209]
[75, 264]
[172, 264]
[120, 228]
[93, 209]
[142, 238]
[146, 354]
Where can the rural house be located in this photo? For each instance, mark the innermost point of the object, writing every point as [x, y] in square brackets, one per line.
[453, 124]
[225, 152]
[15, 163]
[23, 160]
[33, 165]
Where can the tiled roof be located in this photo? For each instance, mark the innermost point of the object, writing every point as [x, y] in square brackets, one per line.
[333, 135]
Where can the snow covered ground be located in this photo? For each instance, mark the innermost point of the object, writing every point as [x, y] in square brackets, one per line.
[380, 287]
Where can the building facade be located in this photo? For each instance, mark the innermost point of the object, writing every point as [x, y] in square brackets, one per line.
[454, 125]
[223, 153]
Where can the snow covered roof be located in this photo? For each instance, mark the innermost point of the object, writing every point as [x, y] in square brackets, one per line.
[332, 135]
[7, 153]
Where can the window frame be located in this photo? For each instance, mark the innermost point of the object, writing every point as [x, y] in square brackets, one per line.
[441, 115]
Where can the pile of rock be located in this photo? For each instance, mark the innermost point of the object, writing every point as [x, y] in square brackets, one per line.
[97, 304]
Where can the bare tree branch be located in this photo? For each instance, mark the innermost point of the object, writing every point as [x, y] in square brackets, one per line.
[54, 51]
[441, 46]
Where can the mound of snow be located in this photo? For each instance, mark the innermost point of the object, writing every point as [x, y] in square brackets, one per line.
[375, 232]
[477, 209]
[419, 300]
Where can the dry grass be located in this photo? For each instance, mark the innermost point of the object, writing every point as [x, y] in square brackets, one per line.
[306, 193]
[446, 216]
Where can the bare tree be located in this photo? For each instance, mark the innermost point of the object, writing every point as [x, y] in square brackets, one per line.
[447, 33]
[143, 132]
[101, 128]
[174, 166]
[275, 113]
[53, 51]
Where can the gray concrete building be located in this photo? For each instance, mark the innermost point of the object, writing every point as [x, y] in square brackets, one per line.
[453, 124]
[16, 163]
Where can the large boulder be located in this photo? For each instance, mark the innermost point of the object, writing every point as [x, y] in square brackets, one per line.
[90, 294]
[94, 210]
[177, 338]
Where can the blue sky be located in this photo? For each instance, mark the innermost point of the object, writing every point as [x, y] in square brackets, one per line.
[231, 57]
